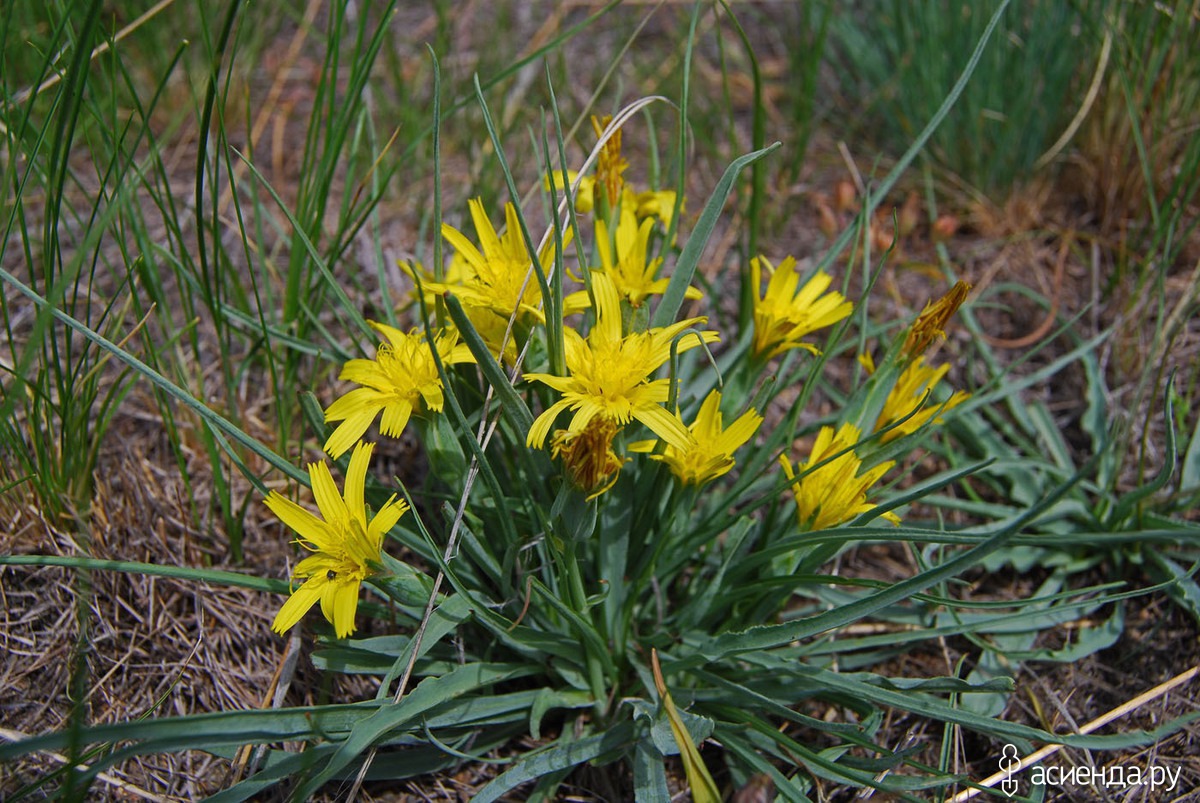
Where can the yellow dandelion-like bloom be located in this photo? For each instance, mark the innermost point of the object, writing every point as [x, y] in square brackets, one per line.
[915, 381]
[627, 266]
[656, 204]
[609, 164]
[494, 331]
[588, 456]
[458, 272]
[346, 546]
[835, 492]
[489, 325]
[931, 323]
[782, 316]
[584, 195]
[401, 380]
[610, 374]
[709, 454]
[498, 272]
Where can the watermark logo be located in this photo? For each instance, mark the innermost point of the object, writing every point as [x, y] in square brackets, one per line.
[1010, 762]
[1114, 777]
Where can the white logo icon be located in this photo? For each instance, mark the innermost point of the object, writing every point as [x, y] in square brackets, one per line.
[1009, 763]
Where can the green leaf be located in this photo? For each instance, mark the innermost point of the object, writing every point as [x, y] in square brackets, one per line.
[511, 404]
[216, 576]
[689, 259]
[789, 788]
[1183, 588]
[548, 699]
[567, 754]
[1133, 499]
[388, 719]
[211, 418]
[649, 775]
[403, 583]
[1190, 476]
[445, 619]
[227, 728]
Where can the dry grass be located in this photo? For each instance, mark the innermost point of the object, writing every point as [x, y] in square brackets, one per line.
[160, 646]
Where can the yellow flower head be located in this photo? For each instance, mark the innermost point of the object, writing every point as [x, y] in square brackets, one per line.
[628, 266]
[931, 323]
[910, 389]
[609, 165]
[709, 453]
[832, 494]
[588, 455]
[345, 545]
[499, 278]
[457, 273]
[656, 204]
[400, 380]
[584, 195]
[610, 373]
[782, 316]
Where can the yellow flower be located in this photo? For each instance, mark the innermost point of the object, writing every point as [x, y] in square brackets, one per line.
[584, 196]
[709, 454]
[609, 164]
[610, 374]
[457, 273]
[931, 323]
[402, 379]
[656, 203]
[490, 326]
[832, 494]
[910, 389]
[588, 455]
[783, 315]
[499, 278]
[627, 266]
[345, 546]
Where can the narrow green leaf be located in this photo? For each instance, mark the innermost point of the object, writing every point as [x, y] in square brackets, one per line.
[511, 403]
[689, 259]
[569, 753]
[427, 695]
[216, 576]
[649, 775]
[768, 636]
[170, 388]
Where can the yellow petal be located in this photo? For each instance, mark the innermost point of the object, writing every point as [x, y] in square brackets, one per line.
[325, 491]
[464, 247]
[395, 418]
[307, 526]
[490, 242]
[296, 606]
[664, 425]
[607, 327]
[385, 519]
[349, 432]
[344, 604]
[356, 478]
[541, 425]
[356, 402]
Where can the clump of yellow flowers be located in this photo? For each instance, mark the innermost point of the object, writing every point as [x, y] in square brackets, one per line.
[617, 397]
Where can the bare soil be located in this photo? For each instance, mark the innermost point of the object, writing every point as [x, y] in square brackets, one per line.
[160, 646]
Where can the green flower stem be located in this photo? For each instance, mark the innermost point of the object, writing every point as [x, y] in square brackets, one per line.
[681, 500]
[578, 600]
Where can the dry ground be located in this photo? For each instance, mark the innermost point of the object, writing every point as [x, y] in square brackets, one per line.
[160, 646]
